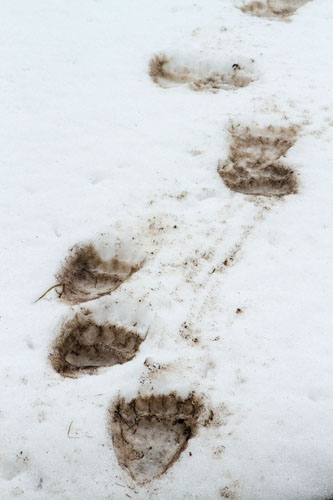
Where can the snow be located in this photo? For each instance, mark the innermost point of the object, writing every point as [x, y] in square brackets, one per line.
[94, 150]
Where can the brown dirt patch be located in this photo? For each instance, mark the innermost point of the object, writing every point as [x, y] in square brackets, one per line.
[254, 166]
[85, 276]
[83, 346]
[273, 8]
[150, 433]
[166, 74]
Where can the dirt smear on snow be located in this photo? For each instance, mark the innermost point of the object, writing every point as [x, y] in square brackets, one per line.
[83, 346]
[85, 276]
[150, 433]
[273, 8]
[166, 73]
[253, 165]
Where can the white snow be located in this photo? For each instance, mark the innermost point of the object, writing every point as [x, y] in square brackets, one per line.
[93, 150]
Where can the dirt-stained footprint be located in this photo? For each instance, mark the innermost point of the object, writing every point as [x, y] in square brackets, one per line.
[254, 164]
[273, 8]
[83, 345]
[149, 433]
[87, 275]
[172, 70]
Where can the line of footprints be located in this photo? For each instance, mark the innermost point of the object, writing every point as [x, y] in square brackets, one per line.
[149, 433]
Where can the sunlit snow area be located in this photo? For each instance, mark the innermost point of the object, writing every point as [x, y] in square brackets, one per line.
[167, 250]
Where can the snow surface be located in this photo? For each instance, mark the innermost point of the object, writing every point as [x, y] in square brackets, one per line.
[90, 145]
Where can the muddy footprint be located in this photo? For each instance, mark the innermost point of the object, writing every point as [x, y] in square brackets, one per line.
[83, 346]
[273, 8]
[254, 163]
[170, 71]
[85, 275]
[149, 433]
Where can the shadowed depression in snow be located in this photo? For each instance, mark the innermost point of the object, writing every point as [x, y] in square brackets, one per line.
[86, 276]
[273, 8]
[150, 433]
[83, 346]
[167, 71]
[254, 163]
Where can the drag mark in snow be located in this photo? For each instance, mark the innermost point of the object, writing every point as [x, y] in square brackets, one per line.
[230, 259]
[150, 433]
[168, 71]
[224, 259]
[86, 276]
[273, 8]
[83, 346]
[254, 163]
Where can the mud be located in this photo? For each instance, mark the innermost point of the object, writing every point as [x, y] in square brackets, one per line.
[85, 276]
[83, 346]
[273, 8]
[253, 165]
[165, 74]
[150, 433]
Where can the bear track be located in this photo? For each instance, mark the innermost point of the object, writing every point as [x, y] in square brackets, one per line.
[253, 165]
[85, 276]
[273, 8]
[150, 433]
[165, 74]
[83, 346]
